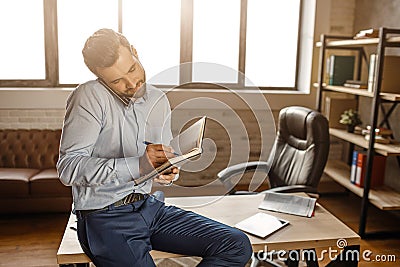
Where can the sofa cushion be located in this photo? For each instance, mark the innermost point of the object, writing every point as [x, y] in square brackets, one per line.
[47, 183]
[14, 181]
[37, 149]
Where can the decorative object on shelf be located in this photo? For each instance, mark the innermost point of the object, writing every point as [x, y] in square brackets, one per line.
[351, 118]
[382, 135]
[334, 107]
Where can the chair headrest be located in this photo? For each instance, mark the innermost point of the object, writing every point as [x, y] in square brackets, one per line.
[301, 127]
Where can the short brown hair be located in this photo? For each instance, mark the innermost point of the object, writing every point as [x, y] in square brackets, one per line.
[101, 49]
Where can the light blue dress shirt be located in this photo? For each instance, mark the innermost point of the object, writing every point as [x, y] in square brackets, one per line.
[102, 140]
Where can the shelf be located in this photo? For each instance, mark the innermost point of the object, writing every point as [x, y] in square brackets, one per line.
[390, 97]
[383, 197]
[356, 43]
[342, 89]
[359, 140]
[360, 92]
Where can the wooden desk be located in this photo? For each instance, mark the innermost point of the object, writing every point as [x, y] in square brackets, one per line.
[321, 231]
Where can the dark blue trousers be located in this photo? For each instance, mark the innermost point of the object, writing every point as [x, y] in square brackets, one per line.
[125, 235]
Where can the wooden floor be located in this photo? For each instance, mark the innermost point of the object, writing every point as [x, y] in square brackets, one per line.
[32, 240]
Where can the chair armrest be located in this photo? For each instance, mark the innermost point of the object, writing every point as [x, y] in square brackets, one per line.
[242, 167]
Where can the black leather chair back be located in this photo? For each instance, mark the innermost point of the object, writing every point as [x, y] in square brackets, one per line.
[301, 148]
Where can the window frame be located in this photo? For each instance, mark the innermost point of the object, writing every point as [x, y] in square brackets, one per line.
[186, 51]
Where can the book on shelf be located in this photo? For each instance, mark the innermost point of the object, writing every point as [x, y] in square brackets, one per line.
[367, 33]
[288, 203]
[378, 170]
[356, 84]
[371, 72]
[378, 131]
[353, 169]
[341, 69]
[187, 145]
[382, 135]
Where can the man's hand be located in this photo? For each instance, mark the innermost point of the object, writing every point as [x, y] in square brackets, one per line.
[167, 177]
[155, 156]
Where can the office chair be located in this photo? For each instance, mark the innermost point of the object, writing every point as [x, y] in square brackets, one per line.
[298, 156]
[297, 159]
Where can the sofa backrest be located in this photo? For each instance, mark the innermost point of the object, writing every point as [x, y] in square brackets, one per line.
[36, 149]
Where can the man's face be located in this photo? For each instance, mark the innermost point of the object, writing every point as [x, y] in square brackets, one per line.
[126, 76]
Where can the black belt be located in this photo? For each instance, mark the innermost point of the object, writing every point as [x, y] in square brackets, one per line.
[129, 199]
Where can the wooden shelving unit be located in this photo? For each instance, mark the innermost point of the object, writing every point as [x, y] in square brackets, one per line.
[384, 197]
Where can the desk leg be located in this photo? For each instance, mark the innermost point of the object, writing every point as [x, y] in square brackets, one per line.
[309, 255]
[293, 258]
[311, 258]
[348, 258]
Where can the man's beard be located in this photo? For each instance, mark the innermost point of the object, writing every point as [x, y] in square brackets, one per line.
[140, 91]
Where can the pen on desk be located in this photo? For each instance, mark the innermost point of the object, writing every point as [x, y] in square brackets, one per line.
[150, 143]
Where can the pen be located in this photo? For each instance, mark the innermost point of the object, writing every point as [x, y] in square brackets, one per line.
[150, 143]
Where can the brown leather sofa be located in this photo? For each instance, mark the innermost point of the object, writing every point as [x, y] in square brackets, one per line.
[28, 177]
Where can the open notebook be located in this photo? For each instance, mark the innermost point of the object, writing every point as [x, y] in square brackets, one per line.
[187, 145]
[261, 224]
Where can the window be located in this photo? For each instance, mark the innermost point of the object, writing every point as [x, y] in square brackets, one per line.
[22, 46]
[258, 38]
[153, 28]
[271, 50]
[77, 20]
[216, 32]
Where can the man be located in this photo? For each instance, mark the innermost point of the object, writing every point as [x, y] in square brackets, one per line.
[102, 153]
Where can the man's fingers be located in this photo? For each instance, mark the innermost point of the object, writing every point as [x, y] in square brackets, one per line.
[173, 170]
[160, 151]
[167, 177]
[160, 147]
[161, 181]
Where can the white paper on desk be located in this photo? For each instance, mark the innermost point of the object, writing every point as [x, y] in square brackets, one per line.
[288, 203]
[261, 224]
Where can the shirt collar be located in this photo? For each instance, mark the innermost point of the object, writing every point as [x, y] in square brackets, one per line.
[125, 100]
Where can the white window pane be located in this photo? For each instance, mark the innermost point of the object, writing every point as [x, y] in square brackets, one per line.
[22, 51]
[216, 31]
[271, 42]
[77, 20]
[153, 28]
